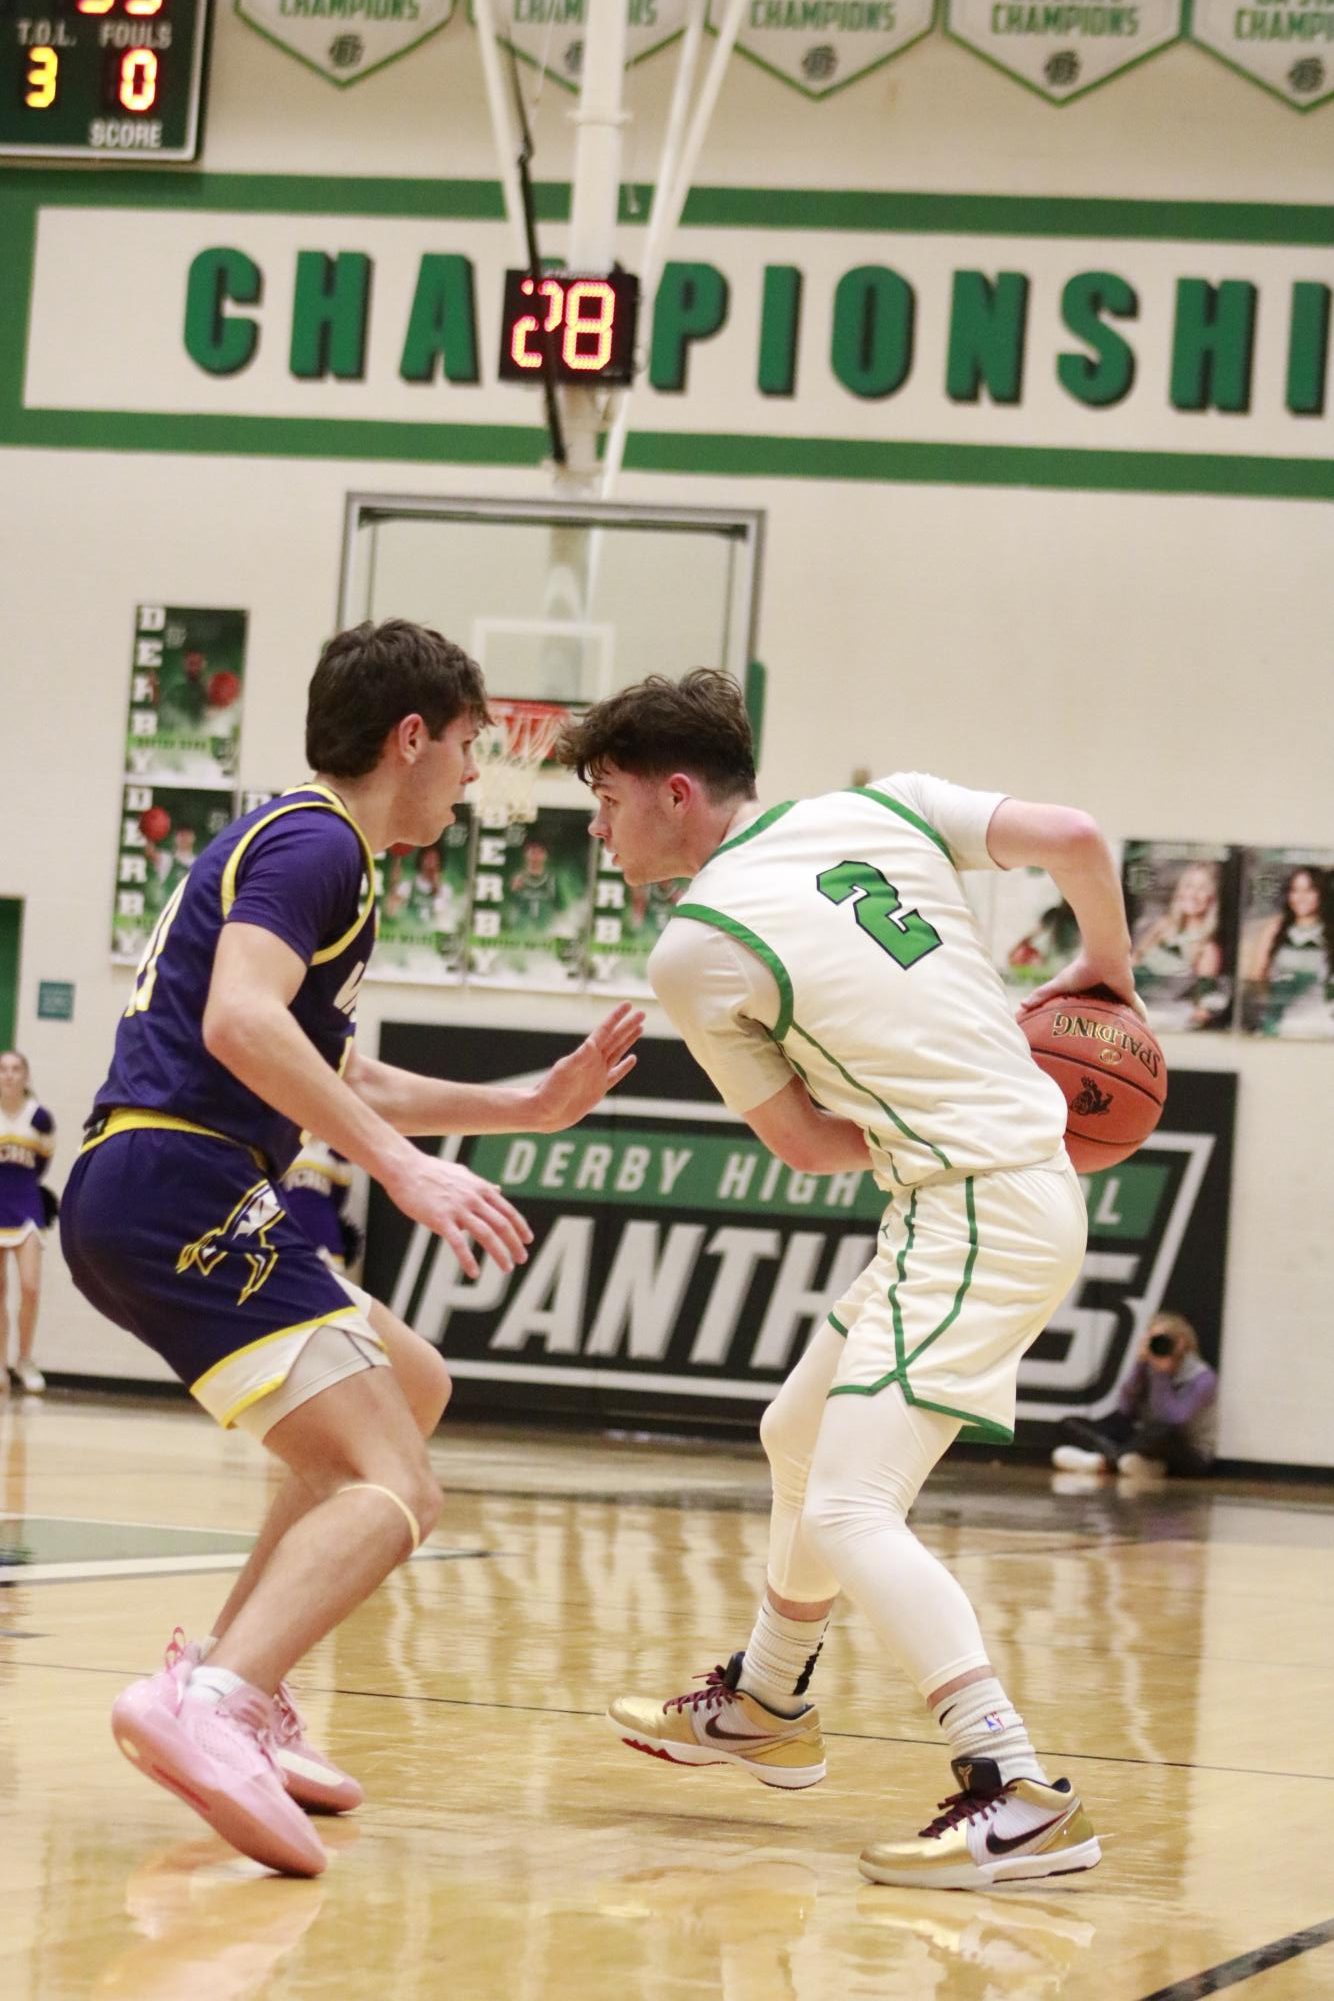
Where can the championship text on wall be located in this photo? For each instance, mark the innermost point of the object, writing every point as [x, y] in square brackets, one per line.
[828, 335]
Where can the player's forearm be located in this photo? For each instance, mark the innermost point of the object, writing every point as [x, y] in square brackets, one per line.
[1074, 851]
[262, 1045]
[1086, 875]
[419, 1105]
[834, 1146]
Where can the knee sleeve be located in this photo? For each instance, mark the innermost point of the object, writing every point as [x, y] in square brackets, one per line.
[788, 1432]
[873, 1456]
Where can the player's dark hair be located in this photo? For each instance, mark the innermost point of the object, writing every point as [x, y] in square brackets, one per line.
[697, 724]
[371, 676]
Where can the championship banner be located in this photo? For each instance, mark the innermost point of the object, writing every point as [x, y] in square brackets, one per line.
[423, 901]
[818, 46]
[1287, 49]
[163, 829]
[1064, 50]
[678, 1269]
[346, 40]
[530, 901]
[1181, 900]
[186, 684]
[549, 34]
[1287, 944]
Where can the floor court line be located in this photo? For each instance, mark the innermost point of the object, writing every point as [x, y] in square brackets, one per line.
[1232, 1972]
[312, 1688]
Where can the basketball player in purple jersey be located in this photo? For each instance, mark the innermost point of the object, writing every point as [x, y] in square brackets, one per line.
[238, 1034]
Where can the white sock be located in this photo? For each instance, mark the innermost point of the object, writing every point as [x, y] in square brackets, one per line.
[213, 1685]
[206, 1646]
[980, 1722]
[780, 1659]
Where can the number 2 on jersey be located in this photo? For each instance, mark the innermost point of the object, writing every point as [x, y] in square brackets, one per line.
[907, 937]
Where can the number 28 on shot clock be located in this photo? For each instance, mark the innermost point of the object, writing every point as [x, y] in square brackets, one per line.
[584, 323]
[101, 79]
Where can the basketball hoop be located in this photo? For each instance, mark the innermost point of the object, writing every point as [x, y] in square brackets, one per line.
[511, 752]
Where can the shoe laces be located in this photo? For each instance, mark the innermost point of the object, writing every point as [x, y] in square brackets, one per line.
[287, 1724]
[960, 1808]
[717, 1689]
[178, 1648]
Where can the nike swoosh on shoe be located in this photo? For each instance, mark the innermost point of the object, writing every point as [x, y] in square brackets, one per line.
[746, 1737]
[1005, 1845]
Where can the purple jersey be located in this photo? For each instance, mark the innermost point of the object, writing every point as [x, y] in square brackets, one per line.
[315, 1190]
[26, 1141]
[298, 867]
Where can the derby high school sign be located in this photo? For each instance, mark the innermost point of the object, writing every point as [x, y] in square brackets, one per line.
[1078, 343]
[678, 1269]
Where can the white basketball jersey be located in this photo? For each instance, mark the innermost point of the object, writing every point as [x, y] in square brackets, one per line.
[889, 1007]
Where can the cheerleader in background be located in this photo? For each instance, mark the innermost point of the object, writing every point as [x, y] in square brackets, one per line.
[27, 1140]
[316, 1186]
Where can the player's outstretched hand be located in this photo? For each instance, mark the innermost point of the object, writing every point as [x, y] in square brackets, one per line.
[573, 1086]
[1082, 974]
[458, 1204]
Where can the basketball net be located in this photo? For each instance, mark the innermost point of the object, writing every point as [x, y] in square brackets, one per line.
[510, 752]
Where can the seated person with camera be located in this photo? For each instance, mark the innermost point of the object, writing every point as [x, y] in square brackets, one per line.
[1166, 1419]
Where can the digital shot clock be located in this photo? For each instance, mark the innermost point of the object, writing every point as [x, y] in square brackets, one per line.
[101, 79]
[585, 321]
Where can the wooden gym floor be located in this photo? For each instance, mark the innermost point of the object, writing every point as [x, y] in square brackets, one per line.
[1173, 1651]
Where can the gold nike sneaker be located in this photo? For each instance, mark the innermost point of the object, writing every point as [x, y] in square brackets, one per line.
[720, 1724]
[988, 1833]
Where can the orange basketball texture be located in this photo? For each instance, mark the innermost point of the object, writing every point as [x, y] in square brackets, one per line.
[1110, 1068]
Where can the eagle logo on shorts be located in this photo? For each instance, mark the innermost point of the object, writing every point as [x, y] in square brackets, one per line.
[252, 1218]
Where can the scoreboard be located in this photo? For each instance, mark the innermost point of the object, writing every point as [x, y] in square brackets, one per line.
[581, 327]
[101, 79]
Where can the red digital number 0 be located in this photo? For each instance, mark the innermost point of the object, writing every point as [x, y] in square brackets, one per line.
[590, 314]
[137, 90]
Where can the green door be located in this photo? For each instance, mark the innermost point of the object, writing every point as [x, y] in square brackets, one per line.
[11, 931]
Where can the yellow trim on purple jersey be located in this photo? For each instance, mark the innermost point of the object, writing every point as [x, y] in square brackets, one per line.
[30, 1142]
[327, 802]
[126, 1118]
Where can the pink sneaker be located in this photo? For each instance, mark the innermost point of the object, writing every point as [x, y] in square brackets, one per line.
[311, 1779]
[219, 1761]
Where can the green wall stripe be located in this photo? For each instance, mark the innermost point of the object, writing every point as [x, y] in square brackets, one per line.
[707, 207]
[730, 454]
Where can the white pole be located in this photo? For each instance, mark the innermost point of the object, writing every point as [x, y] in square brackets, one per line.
[595, 199]
[597, 152]
[593, 210]
[503, 134]
[669, 200]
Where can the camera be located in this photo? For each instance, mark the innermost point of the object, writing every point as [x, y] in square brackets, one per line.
[1162, 1344]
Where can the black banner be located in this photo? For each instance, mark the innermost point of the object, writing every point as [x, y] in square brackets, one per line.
[678, 1269]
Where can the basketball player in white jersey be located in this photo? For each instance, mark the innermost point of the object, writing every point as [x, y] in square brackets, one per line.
[824, 969]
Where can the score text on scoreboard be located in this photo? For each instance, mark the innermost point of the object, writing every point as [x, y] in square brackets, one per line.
[586, 324]
[101, 79]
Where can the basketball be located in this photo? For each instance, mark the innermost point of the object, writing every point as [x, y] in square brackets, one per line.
[155, 823]
[1109, 1065]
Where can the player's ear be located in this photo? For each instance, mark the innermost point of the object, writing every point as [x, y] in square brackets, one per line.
[411, 736]
[681, 788]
